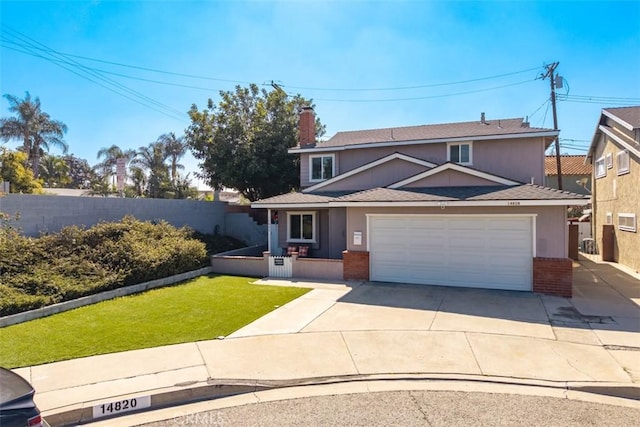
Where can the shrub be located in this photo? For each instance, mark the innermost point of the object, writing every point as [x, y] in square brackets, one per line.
[35, 272]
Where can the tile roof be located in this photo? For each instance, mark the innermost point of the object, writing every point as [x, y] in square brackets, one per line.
[630, 115]
[570, 164]
[435, 131]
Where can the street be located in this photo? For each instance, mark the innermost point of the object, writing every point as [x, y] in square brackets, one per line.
[413, 408]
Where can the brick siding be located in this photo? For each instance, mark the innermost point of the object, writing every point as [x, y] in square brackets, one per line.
[355, 265]
[553, 276]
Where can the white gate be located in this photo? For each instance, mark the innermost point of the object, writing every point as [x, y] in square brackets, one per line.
[280, 266]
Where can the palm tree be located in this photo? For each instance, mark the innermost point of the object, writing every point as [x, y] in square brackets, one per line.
[34, 127]
[151, 158]
[111, 156]
[54, 171]
[174, 148]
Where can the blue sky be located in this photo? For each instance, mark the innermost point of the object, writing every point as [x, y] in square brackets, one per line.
[325, 50]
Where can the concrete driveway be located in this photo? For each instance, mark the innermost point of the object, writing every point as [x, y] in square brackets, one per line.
[377, 330]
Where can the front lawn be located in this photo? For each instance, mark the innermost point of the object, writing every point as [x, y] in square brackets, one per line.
[200, 309]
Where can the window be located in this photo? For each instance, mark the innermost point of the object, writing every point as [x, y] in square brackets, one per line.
[609, 218]
[627, 221]
[321, 167]
[623, 162]
[460, 153]
[301, 227]
[609, 161]
[601, 169]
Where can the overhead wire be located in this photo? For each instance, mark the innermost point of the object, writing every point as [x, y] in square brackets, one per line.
[72, 66]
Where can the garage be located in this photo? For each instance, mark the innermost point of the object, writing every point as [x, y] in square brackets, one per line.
[492, 251]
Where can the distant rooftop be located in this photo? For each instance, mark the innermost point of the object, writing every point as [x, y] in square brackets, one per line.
[570, 165]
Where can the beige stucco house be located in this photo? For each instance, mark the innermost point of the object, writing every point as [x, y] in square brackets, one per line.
[615, 157]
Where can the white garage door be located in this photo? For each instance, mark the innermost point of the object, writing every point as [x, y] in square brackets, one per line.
[492, 252]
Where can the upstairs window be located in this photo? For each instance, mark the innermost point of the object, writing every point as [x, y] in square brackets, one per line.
[302, 227]
[460, 153]
[623, 162]
[601, 168]
[321, 167]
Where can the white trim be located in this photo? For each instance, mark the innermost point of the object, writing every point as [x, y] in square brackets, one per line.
[617, 119]
[626, 227]
[460, 144]
[313, 226]
[440, 204]
[601, 161]
[456, 167]
[421, 141]
[322, 156]
[322, 205]
[373, 164]
[534, 218]
[618, 140]
[620, 171]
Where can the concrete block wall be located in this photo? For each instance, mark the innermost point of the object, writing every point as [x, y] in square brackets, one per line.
[243, 227]
[40, 214]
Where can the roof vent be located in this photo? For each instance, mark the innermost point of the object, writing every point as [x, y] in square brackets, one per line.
[482, 119]
[525, 123]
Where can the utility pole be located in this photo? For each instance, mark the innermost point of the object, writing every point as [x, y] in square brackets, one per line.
[550, 69]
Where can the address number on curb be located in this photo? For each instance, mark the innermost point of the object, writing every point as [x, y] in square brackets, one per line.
[119, 406]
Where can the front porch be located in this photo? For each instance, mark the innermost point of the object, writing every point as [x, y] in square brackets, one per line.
[258, 262]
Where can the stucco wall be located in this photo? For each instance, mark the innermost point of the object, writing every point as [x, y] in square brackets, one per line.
[551, 224]
[518, 159]
[379, 176]
[617, 194]
[450, 178]
[569, 183]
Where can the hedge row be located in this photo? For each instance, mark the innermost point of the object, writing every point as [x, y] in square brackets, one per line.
[35, 272]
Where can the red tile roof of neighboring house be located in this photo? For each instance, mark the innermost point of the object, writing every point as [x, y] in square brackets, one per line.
[435, 131]
[570, 165]
[630, 115]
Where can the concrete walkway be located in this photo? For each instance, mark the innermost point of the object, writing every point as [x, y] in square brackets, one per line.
[368, 331]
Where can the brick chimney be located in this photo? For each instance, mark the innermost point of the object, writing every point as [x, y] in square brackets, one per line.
[307, 128]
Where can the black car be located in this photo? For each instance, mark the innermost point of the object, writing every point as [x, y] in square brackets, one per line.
[17, 408]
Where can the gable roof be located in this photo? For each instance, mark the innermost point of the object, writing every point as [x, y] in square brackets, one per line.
[570, 164]
[628, 117]
[454, 166]
[367, 166]
[490, 129]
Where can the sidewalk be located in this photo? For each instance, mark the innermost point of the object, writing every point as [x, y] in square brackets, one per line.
[363, 331]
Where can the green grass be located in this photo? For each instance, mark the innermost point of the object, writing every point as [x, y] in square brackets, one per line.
[200, 309]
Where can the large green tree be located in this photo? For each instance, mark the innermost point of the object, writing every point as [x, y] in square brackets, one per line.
[80, 172]
[35, 128]
[242, 143]
[54, 171]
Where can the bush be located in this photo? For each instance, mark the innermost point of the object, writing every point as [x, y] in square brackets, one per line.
[35, 272]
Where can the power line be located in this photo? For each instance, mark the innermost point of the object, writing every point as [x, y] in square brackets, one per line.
[89, 74]
[410, 87]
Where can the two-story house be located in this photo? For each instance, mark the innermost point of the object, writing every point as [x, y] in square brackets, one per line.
[456, 204]
[615, 157]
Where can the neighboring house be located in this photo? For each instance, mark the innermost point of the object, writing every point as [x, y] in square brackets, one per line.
[576, 176]
[458, 204]
[615, 157]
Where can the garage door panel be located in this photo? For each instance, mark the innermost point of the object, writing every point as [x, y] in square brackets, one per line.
[474, 251]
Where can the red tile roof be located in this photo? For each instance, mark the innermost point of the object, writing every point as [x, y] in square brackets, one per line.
[570, 165]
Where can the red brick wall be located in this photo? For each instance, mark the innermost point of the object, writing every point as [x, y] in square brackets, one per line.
[553, 276]
[355, 265]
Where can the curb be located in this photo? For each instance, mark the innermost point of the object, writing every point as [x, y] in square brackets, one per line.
[83, 413]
